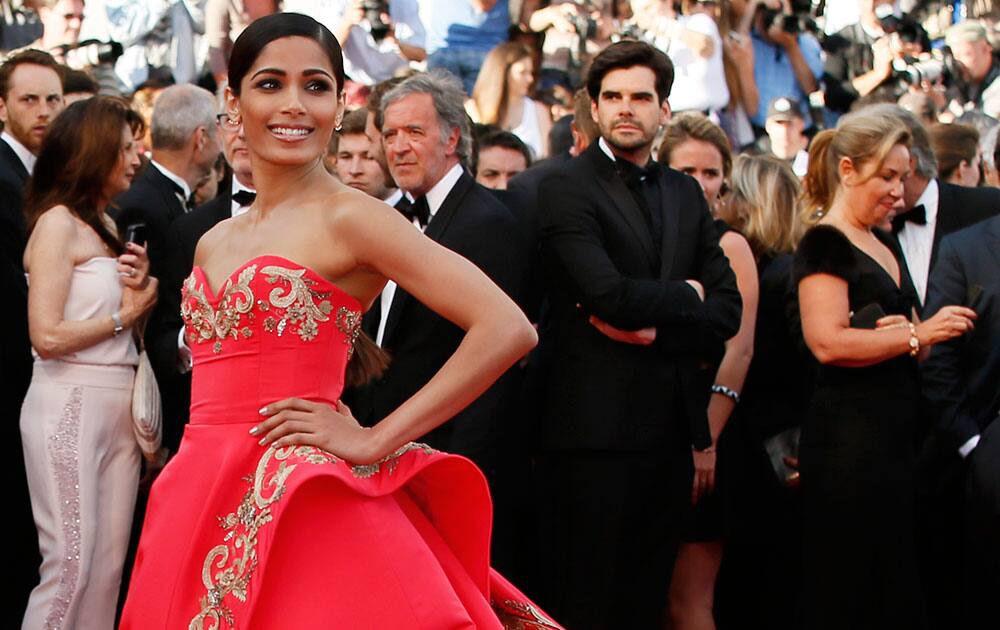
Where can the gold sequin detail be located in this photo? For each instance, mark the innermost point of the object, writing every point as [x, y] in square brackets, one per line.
[515, 615]
[390, 461]
[293, 306]
[228, 567]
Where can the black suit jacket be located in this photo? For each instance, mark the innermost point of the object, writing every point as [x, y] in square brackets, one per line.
[961, 377]
[959, 207]
[152, 199]
[165, 323]
[474, 224]
[602, 261]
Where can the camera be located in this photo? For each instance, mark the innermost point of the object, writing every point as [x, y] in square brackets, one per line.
[788, 23]
[584, 25]
[374, 10]
[90, 52]
[941, 66]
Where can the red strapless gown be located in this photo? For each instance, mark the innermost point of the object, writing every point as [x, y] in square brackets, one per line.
[241, 536]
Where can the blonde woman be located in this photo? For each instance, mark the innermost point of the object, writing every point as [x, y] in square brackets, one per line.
[500, 97]
[858, 317]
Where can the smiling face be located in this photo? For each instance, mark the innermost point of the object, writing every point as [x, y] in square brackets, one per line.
[34, 98]
[628, 111]
[120, 178]
[702, 161]
[288, 102]
[417, 154]
[874, 193]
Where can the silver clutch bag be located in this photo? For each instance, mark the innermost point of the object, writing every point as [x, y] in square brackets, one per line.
[147, 409]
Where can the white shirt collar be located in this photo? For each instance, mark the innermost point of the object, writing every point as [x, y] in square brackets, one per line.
[238, 187]
[437, 194]
[27, 158]
[394, 197]
[607, 149]
[929, 199]
[174, 178]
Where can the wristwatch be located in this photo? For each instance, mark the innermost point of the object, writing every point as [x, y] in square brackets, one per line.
[117, 319]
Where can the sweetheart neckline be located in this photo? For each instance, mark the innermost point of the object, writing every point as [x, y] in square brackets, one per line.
[213, 296]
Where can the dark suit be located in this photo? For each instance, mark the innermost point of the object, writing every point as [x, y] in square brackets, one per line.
[960, 381]
[619, 420]
[474, 224]
[165, 322]
[959, 207]
[15, 372]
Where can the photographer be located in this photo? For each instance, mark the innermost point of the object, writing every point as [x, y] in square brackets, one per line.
[865, 57]
[787, 61]
[979, 66]
[575, 31]
[379, 37]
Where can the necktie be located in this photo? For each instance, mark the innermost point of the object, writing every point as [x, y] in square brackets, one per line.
[244, 197]
[917, 214]
[418, 210]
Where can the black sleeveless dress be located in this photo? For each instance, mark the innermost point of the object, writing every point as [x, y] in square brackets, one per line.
[857, 463]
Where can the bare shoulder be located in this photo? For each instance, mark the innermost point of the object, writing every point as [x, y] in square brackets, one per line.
[735, 244]
[56, 220]
[212, 238]
[357, 213]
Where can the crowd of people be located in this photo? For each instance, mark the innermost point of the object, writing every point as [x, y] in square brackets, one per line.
[756, 241]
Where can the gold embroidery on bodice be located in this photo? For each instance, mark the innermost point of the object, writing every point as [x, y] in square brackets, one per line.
[294, 305]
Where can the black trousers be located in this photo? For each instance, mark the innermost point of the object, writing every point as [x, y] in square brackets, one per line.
[609, 526]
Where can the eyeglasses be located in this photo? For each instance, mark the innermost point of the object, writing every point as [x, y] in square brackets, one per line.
[226, 122]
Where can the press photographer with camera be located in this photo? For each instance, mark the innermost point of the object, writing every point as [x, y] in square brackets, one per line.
[575, 31]
[979, 66]
[884, 53]
[379, 37]
[787, 61]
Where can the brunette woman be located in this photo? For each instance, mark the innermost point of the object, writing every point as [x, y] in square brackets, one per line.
[500, 97]
[87, 290]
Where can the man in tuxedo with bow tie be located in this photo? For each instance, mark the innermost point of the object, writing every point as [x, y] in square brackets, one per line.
[31, 96]
[426, 140]
[933, 210]
[628, 244]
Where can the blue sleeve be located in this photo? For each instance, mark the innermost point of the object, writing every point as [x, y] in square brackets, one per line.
[812, 53]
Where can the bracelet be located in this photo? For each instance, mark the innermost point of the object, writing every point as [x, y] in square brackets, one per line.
[727, 392]
[116, 318]
[914, 341]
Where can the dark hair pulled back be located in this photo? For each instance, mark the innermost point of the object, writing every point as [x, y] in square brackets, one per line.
[269, 28]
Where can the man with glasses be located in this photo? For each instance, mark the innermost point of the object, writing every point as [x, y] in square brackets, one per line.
[61, 22]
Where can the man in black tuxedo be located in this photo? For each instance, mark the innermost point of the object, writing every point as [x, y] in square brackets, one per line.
[960, 379]
[426, 138]
[628, 244]
[31, 96]
[185, 147]
[165, 339]
[934, 209]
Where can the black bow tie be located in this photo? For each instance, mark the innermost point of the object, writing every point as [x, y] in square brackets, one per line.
[917, 214]
[418, 210]
[244, 197]
[636, 175]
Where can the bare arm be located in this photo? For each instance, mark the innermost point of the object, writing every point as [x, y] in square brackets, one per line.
[803, 73]
[51, 263]
[483, 5]
[826, 327]
[497, 335]
[544, 127]
[739, 349]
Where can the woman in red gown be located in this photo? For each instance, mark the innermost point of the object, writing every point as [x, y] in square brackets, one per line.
[279, 510]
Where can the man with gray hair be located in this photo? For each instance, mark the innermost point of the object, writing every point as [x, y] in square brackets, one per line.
[425, 133]
[970, 44]
[185, 146]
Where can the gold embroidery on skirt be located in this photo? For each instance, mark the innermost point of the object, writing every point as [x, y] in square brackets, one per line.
[516, 615]
[390, 461]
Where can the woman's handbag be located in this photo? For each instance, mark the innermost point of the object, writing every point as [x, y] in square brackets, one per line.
[147, 409]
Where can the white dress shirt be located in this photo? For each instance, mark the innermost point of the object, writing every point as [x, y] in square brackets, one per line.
[435, 197]
[27, 158]
[237, 209]
[917, 241]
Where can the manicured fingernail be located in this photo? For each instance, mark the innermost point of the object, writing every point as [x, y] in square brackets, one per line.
[263, 411]
[253, 430]
[263, 441]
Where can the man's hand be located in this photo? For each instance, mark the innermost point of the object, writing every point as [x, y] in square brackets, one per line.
[697, 286]
[641, 337]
